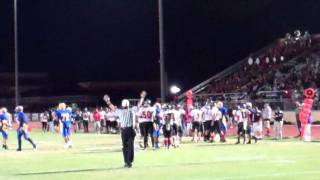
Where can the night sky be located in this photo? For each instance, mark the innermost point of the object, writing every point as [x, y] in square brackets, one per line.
[111, 40]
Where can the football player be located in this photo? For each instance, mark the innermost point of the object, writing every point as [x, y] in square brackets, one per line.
[278, 123]
[23, 128]
[196, 115]
[178, 113]
[146, 115]
[217, 117]
[266, 115]
[111, 118]
[223, 121]
[248, 115]
[157, 125]
[207, 120]
[240, 117]
[4, 124]
[65, 117]
[257, 124]
[167, 126]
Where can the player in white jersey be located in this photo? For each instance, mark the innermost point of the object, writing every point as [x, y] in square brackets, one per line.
[196, 115]
[267, 115]
[111, 118]
[242, 124]
[207, 121]
[167, 117]
[256, 124]
[215, 125]
[146, 115]
[103, 123]
[178, 113]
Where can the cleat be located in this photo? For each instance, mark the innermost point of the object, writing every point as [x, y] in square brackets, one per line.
[66, 146]
[70, 144]
[141, 145]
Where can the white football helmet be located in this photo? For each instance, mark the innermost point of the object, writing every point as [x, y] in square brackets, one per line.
[125, 103]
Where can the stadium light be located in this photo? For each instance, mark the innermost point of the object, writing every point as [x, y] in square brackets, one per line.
[267, 60]
[274, 59]
[250, 61]
[175, 89]
[257, 61]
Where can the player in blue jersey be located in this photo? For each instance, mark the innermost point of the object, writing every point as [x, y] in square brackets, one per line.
[4, 124]
[223, 120]
[23, 128]
[65, 117]
[157, 125]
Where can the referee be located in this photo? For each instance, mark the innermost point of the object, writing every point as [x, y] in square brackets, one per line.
[126, 124]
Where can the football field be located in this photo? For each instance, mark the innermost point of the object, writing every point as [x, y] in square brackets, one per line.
[99, 157]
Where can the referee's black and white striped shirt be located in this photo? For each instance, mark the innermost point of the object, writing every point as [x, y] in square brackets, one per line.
[125, 117]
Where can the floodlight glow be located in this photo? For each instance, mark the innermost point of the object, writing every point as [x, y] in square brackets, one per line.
[174, 89]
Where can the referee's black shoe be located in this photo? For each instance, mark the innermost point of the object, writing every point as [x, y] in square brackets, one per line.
[128, 165]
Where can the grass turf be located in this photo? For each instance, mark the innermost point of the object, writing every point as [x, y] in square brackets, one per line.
[99, 157]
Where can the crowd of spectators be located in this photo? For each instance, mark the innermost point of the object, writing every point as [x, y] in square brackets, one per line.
[279, 70]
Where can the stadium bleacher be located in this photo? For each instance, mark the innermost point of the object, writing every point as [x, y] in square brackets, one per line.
[277, 73]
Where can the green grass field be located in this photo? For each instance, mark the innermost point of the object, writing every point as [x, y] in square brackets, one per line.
[99, 157]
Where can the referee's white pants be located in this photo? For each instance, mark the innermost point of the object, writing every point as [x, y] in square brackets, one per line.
[278, 129]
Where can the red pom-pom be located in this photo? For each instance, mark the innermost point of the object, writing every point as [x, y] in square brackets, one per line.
[309, 93]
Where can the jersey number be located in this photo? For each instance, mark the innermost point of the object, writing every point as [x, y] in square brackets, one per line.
[146, 115]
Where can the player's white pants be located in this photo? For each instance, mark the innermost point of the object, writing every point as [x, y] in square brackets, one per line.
[267, 124]
[51, 126]
[257, 129]
[307, 133]
[187, 129]
[278, 129]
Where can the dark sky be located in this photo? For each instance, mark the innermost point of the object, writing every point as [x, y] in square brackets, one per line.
[118, 39]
